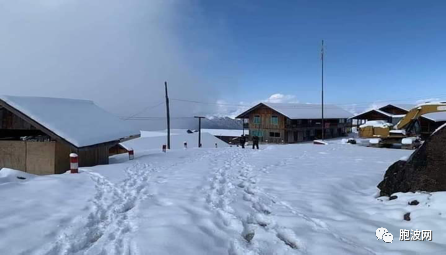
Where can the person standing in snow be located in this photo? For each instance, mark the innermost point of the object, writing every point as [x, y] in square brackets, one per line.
[255, 142]
[242, 141]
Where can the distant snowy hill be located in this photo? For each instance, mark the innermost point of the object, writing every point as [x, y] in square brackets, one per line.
[221, 123]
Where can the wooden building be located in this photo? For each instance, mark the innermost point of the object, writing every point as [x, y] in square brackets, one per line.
[38, 134]
[292, 123]
[393, 113]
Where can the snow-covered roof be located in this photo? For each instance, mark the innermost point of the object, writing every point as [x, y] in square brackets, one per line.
[80, 122]
[306, 111]
[406, 107]
[436, 116]
[376, 123]
[373, 110]
[225, 132]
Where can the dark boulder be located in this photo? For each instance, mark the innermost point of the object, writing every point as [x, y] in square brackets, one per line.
[425, 170]
[414, 202]
[407, 216]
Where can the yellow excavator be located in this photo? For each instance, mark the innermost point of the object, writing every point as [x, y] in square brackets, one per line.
[405, 132]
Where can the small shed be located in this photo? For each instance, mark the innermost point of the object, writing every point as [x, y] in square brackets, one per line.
[37, 134]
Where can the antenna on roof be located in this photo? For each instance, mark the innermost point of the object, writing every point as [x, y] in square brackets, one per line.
[322, 61]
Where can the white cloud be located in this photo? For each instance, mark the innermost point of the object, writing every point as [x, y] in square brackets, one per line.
[117, 53]
[281, 98]
[233, 109]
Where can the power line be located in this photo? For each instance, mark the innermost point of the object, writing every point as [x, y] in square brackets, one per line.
[143, 110]
[297, 106]
[302, 105]
[158, 118]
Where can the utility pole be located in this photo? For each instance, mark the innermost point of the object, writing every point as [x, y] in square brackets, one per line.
[322, 60]
[243, 126]
[168, 116]
[199, 130]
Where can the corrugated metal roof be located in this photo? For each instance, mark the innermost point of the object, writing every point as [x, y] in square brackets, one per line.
[80, 122]
[307, 111]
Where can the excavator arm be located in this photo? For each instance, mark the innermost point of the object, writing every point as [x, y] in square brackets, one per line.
[418, 111]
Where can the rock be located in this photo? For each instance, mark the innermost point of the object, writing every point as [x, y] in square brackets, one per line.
[393, 197]
[414, 202]
[248, 237]
[407, 216]
[351, 141]
[425, 170]
[21, 178]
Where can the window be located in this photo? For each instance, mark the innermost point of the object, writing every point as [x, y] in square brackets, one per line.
[256, 133]
[256, 119]
[274, 120]
[274, 134]
[312, 132]
[341, 121]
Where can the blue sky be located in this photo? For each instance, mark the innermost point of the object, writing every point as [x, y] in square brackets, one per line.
[375, 50]
[119, 53]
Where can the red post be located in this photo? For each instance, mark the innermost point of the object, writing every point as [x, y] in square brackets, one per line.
[131, 154]
[164, 148]
[74, 165]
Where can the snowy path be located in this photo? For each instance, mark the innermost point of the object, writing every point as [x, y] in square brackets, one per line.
[298, 199]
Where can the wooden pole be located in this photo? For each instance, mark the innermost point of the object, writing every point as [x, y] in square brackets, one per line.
[243, 126]
[322, 60]
[168, 116]
[199, 130]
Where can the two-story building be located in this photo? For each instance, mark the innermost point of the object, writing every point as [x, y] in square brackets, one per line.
[292, 123]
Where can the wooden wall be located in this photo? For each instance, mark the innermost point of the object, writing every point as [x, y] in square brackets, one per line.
[88, 156]
[8, 120]
[266, 126]
[13, 155]
[40, 157]
[62, 157]
[94, 155]
[32, 157]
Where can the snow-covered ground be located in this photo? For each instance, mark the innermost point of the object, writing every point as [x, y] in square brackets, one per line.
[226, 132]
[154, 140]
[292, 199]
